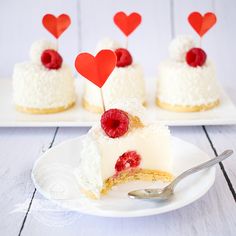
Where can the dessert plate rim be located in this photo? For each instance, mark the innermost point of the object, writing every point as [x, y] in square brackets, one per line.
[224, 114]
[207, 178]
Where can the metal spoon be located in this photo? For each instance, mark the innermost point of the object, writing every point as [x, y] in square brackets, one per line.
[165, 193]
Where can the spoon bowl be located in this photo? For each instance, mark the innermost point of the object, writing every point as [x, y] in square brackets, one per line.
[158, 193]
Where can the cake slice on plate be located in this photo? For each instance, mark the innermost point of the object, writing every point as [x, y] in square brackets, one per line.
[123, 148]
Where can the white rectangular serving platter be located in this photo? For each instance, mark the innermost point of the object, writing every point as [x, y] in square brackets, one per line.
[224, 114]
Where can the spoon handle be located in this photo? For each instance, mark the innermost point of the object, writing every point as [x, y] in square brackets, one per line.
[202, 166]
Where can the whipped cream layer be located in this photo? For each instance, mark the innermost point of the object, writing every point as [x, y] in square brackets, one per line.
[100, 153]
[180, 84]
[123, 83]
[180, 46]
[34, 86]
[38, 47]
[131, 106]
[107, 43]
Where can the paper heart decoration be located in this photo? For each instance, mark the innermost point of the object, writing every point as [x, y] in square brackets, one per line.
[56, 25]
[96, 69]
[201, 24]
[127, 24]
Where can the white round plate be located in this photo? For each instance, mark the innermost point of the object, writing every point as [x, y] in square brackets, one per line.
[53, 176]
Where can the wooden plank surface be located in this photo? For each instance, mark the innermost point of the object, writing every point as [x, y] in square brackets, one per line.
[19, 149]
[225, 138]
[211, 215]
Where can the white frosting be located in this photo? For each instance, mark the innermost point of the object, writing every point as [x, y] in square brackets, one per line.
[100, 153]
[132, 106]
[34, 86]
[180, 46]
[88, 173]
[38, 47]
[180, 84]
[108, 43]
[123, 83]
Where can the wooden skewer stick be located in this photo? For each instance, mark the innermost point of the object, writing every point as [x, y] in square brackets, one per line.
[102, 97]
[126, 43]
[200, 42]
[57, 44]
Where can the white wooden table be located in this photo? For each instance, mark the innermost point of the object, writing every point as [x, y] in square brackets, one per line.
[214, 214]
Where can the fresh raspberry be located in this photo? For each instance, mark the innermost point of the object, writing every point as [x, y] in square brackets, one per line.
[196, 57]
[51, 59]
[130, 159]
[115, 123]
[123, 57]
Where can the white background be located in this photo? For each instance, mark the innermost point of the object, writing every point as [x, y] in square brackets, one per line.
[92, 20]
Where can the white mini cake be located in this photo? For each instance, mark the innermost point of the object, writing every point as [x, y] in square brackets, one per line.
[123, 148]
[187, 81]
[45, 84]
[126, 81]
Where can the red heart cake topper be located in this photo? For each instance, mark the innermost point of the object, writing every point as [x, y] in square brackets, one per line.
[96, 69]
[56, 25]
[201, 24]
[127, 24]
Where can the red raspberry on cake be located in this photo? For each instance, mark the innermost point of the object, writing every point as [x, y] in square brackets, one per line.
[51, 59]
[115, 123]
[196, 57]
[130, 159]
[124, 58]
